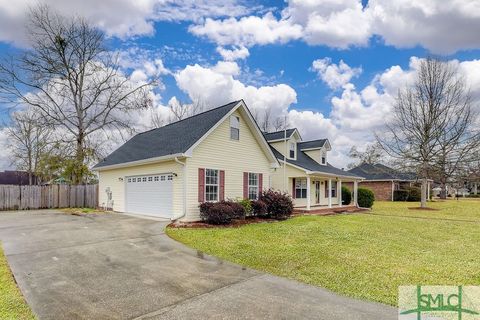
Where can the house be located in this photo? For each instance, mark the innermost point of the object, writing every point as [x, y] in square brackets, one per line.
[383, 180]
[215, 155]
[305, 171]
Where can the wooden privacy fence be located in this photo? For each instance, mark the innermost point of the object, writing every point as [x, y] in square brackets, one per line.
[43, 197]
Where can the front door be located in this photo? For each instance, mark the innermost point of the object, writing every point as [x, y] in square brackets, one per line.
[317, 192]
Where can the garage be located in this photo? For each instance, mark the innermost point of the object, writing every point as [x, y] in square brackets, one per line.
[150, 195]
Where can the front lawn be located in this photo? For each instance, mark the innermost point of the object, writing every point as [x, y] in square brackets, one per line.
[365, 256]
[12, 303]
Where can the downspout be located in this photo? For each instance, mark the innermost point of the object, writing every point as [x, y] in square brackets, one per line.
[184, 211]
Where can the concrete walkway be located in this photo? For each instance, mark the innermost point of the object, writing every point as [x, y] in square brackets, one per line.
[121, 267]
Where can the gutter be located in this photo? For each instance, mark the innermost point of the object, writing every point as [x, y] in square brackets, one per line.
[184, 213]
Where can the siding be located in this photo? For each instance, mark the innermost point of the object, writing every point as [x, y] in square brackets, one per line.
[110, 178]
[218, 151]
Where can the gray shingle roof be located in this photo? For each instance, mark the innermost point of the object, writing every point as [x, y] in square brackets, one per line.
[381, 172]
[312, 144]
[171, 139]
[304, 161]
[269, 136]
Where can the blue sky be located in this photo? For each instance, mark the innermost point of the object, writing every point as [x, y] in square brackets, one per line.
[333, 66]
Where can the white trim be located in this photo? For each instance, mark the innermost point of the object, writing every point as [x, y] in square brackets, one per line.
[326, 144]
[323, 173]
[257, 132]
[141, 162]
[253, 186]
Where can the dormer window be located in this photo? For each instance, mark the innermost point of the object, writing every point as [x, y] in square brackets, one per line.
[292, 150]
[324, 157]
[234, 128]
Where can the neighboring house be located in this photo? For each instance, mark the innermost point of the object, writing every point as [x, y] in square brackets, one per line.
[383, 180]
[215, 155]
[14, 177]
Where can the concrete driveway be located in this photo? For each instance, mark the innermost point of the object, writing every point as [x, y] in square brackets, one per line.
[120, 267]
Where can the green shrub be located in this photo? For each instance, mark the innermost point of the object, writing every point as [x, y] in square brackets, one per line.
[247, 206]
[365, 198]
[414, 194]
[346, 196]
[400, 195]
[279, 204]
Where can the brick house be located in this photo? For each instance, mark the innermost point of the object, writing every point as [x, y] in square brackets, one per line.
[383, 180]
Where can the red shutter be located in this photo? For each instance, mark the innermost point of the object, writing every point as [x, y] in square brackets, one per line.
[201, 184]
[260, 184]
[245, 185]
[293, 188]
[222, 185]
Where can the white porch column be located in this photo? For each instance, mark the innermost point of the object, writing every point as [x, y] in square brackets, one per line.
[329, 193]
[339, 192]
[308, 192]
[475, 188]
[355, 193]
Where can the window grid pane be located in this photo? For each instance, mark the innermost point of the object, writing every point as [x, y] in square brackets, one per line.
[211, 185]
[301, 188]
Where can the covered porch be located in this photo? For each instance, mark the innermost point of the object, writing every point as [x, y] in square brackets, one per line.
[317, 192]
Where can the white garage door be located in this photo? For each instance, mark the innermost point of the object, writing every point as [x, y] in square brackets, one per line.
[150, 195]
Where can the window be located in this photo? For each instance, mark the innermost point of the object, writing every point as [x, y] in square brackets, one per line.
[211, 185]
[234, 128]
[334, 189]
[292, 150]
[150, 178]
[156, 178]
[144, 179]
[170, 177]
[134, 179]
[324, 157]
[129, 180]
[252, 186]
[162, 178]
[300, 188]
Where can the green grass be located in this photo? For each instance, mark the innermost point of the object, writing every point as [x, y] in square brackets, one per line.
[12, 303]
[365, 256]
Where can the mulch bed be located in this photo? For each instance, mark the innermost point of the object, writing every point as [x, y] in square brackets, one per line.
[234, 224]
[425, 209]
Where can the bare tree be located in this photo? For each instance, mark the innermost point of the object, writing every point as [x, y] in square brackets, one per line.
[28, 140]
[426, 126]
[372, 154]
[180, 110]
[71, 80]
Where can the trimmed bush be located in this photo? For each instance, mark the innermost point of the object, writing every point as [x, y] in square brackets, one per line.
[365, 198]
[216, 213]
[247, 206]
[346, 196]
[259, 208]
[400, 195]
[414, 194]
[237, 208]
[279, 204]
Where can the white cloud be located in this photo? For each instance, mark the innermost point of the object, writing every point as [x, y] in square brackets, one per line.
[335, 23]
[119, 18]
[248, 31]
[217, 85]
[441, 26]
[236, 53]
[335, 75]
